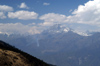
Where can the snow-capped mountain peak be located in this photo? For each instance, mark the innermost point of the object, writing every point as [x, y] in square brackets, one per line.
[58, 28]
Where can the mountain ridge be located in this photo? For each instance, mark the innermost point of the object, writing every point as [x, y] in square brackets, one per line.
[61, 49]
[57, 28]
[11, 56]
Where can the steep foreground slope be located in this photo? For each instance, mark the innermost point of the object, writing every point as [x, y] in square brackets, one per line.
[10, 56]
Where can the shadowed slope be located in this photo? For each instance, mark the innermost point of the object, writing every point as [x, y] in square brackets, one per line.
[10, 56]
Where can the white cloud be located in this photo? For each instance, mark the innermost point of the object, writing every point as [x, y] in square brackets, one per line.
[52, 18]
[24, 15]
[46, 24]
[5, 8]
[89, 13]
[2, 15]
[46, 4]
[23, 5]
[18, 28]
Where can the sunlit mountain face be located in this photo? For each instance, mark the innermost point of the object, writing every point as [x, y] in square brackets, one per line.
[60, 32]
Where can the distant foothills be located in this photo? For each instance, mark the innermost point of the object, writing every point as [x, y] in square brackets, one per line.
[60, 46]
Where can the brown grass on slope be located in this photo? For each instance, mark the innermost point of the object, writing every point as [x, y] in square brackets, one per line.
[11, 56]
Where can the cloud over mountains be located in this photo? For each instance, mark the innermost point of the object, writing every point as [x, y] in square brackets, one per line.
[87, 14]
[18, 28]
[52, 18]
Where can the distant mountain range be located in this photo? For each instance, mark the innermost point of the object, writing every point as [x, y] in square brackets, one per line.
[58, 28]
[60, 45]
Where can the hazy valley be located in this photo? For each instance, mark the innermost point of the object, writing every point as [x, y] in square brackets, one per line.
[59, 47]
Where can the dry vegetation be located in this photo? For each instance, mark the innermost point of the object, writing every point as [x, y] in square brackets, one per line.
[11, 56]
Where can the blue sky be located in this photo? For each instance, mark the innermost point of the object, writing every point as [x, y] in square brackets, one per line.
[55, 6]
[36, 15]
